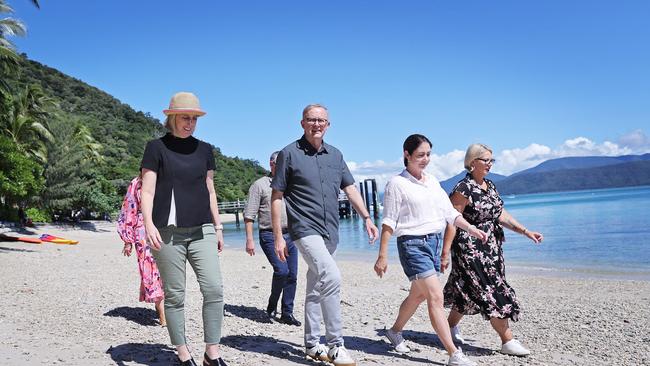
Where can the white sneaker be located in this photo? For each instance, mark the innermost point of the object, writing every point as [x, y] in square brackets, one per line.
[459, 359]
[340, 356]
[456, 336]
[318, 353]
[514, 348]
[397, 341]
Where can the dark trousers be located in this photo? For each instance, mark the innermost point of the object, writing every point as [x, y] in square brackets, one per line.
[285, 274]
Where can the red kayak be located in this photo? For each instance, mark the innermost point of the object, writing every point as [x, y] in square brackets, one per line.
[25, 239]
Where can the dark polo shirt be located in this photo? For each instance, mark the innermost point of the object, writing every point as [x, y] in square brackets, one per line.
[311, 181]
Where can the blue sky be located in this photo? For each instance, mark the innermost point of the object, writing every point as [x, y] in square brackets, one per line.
[534, 80]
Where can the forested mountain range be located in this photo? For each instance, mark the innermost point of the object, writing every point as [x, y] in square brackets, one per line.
[572, 174]
[93, 144]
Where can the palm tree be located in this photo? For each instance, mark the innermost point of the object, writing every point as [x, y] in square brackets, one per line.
[26, 121]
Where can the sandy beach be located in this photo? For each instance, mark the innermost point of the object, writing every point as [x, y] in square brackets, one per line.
[78, 305]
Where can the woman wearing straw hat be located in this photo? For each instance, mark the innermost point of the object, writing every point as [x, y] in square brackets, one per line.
[181, 219]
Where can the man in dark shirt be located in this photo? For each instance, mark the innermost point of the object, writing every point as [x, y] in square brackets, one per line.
[284, 272]
[309, 175]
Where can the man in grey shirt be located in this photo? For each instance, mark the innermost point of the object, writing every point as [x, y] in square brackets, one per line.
[309, 176]
[284, 272]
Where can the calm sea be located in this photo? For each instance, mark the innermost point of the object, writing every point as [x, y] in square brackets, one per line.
[604, 232]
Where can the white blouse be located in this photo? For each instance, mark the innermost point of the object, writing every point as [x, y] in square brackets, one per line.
[412, 207]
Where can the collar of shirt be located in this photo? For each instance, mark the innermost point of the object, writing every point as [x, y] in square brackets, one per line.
[405, 173]
[305, 145]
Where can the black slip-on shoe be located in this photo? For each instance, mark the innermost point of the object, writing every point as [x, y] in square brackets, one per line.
[290, 320]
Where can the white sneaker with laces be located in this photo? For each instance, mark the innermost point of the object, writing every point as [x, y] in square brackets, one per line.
[397, 341]
[340, 356]
[318, 353]
[514, 348]
[459, 359]
[456, 336]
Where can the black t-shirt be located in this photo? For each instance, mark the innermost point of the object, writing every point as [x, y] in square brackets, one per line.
[182, 165]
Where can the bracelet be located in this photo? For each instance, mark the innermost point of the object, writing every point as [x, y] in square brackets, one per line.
[366, 218]
[524, 231]
[218, 227]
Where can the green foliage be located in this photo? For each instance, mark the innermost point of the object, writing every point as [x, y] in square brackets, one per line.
[38, 215]
[20, 176]
[71, 146]
[233, 176]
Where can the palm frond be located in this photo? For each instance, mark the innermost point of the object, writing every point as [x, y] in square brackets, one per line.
[12, 27]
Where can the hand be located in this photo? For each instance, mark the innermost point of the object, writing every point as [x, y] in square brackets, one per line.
[444, 261]
[479, 234]
[535, 236]
[126, 251]
[371, 229]
[281, 249]
[219, 240]
[381, 266]
[250, 247]
[152, 236]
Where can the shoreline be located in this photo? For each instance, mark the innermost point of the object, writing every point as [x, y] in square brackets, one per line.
[367, 257]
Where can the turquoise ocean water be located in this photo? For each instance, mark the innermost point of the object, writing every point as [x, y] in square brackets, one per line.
[603, 232]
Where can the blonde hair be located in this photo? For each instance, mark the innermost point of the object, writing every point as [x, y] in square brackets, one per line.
[474, 151]
[310, 107]
[170, 123]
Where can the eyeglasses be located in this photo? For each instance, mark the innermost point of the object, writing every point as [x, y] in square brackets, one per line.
[316, 121]
[487, 161]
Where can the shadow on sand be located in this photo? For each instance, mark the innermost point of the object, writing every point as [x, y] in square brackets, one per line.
[3, 249]
[269, 347]
[380, 347]
[143, 354]
[247, 312]
[431, 340]
[142, 316]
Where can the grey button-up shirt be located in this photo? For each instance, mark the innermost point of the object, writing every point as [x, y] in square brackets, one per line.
[311, 181]
[259, 204]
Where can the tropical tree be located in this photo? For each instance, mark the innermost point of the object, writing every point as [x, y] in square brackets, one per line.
[26, 120]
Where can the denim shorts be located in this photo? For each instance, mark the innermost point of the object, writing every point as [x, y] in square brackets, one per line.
[420, 255]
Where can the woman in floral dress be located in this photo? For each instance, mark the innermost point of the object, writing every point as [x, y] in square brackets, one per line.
[130, 227]
[477, 283]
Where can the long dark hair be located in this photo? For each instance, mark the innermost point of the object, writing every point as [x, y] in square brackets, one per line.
[413, 142]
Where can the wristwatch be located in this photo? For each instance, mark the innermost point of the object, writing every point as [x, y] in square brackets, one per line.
[218, 227]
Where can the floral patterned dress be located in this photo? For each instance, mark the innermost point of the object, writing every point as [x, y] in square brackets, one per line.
[130, 227]
[477, 283]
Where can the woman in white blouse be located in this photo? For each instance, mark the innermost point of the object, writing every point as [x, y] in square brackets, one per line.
[417, 210]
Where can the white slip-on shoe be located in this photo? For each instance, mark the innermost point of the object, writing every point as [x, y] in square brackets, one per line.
[459, 359]
[456, 336]
[340, 356]
[317, 353]
[514, 348]
[397, 341]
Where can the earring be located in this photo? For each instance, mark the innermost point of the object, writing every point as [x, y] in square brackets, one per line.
[471, 168]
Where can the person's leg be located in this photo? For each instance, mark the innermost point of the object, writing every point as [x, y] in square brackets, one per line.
[432, 290]
[204, 258]
[160, 309]
[171, 259]
[280, 269]
[502, 328]
[289, 289]
[454, 318]
[323, 291]
[408, 308]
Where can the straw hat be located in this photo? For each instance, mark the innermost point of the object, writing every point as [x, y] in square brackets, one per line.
[184, 103]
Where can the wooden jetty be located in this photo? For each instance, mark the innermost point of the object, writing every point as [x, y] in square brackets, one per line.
[367, 188]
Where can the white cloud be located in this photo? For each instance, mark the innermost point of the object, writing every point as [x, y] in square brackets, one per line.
[508, 161]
